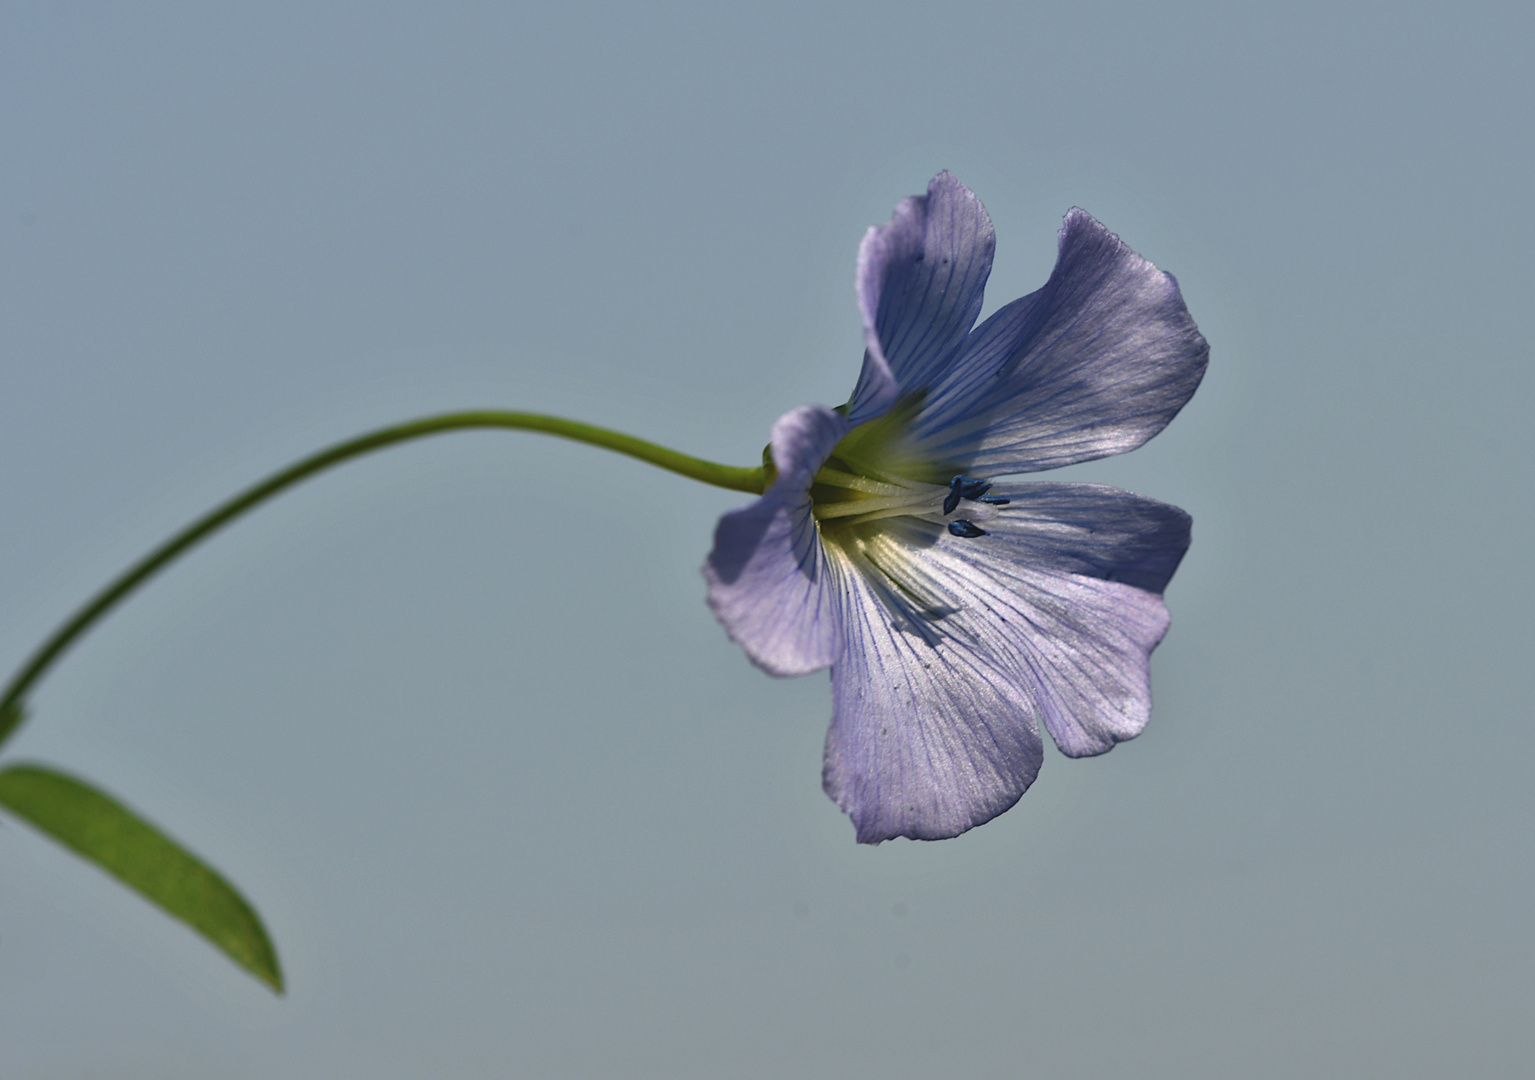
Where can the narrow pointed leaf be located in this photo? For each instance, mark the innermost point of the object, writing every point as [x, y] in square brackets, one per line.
[126, 846]
[12, 713]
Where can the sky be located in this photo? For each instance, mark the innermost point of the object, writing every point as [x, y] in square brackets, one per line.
[456, 719]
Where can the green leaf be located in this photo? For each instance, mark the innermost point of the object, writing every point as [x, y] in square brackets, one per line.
[11, 715]
[136, 853]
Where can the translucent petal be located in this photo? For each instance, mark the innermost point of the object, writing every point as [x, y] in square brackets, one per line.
[1095, 363]
[932, 733]
[1093, 531]
[958, 645]
[769, 580]
[1062, 602]
[920, 282]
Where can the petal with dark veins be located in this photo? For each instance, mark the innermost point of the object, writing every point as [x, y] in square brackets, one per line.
[931, 733]
[958, 646]
[920, 282]
[1095, 363]
[770, 584]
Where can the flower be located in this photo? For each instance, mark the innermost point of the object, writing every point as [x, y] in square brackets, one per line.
[955, 613]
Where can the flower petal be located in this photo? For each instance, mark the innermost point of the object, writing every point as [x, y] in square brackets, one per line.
[957, 645]
[1095, 363]
[1092, 531]
[769, 580]
[930, 734]
[920, 282]
[1073, 573]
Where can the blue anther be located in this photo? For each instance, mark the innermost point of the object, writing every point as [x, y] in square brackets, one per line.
[974, 489]
[964, 487]
[956, 490]
[967, 529]
[994, 500]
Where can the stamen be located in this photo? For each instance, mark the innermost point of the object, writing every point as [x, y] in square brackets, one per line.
[868, 499]
[873, 507]
[972, 488]
[967, 529]
[951, 500]
[965, 487]
[836, 478]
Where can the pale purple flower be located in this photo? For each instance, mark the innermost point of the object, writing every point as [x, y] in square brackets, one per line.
[956, 614]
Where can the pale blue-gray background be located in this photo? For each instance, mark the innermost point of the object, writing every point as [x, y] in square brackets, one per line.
[457, 719]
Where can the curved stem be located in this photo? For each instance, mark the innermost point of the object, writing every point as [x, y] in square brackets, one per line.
[726, 476]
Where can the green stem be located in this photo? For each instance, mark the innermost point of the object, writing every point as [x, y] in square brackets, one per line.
[726, 476]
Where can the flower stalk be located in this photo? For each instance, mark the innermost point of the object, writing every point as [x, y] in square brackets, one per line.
[12, 700]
